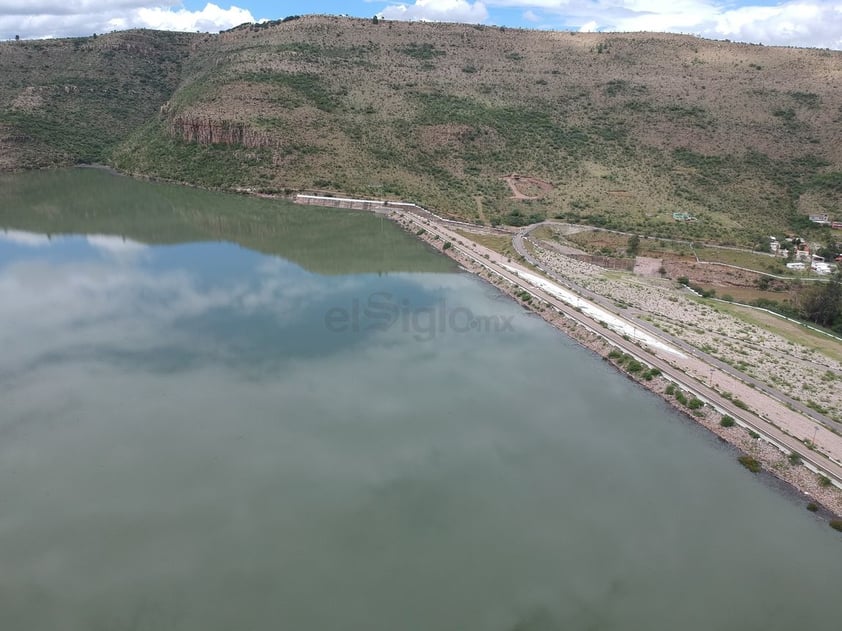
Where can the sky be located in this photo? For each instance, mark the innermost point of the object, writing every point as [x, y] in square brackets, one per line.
[814, 23]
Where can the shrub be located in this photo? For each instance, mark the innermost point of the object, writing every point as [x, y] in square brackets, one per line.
[670, 389]
[753, 434]
[812, 507]
[750, 462]
[824, 481]
[836, 524]
[447, 245]
[727, 421]
[815, 406]
[422, 51]
[695, 403]
[794, 458]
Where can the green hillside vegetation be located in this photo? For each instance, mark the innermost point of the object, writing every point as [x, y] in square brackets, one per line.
[74, 100]
[615, 130]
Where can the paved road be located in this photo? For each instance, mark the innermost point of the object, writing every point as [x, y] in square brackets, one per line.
[499, 265]
[634, 315]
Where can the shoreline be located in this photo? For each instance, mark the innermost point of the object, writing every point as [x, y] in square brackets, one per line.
[801, 483]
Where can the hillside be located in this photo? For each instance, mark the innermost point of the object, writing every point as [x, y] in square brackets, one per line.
[619, 130]
[73, 100]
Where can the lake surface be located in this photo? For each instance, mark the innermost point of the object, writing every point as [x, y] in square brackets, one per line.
[224, 413]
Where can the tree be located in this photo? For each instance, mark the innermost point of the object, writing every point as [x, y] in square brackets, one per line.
[17, 38]
[822, 304]
[829, 250]
[633, 246]
[375, 20]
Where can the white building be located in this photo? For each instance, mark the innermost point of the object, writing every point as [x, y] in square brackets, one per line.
[822, 268]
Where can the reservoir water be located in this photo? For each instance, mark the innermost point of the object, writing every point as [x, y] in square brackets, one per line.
[226, 413]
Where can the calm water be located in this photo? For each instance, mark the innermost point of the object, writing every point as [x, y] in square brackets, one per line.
[288, 418]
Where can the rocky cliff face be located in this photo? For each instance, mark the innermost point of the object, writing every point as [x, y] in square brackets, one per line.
[209, 131]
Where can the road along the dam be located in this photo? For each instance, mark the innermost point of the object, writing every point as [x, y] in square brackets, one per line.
[773, 421]
[519, 241]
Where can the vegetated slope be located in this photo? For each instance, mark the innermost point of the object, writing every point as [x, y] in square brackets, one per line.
[620, 130]
[66, 101]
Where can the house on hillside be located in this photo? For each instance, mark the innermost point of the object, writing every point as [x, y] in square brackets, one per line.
[820, 219]
[803, 254]
[820, 267]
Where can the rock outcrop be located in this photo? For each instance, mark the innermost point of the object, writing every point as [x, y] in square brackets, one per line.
[210, 131]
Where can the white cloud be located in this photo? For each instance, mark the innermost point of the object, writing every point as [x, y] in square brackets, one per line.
[815, 23]
[438, 11]
[211, 18]
[796, 22]
[48, 18]
[70, 7]
[20, 237]
[811, 23]
[793, 22]
[117, 248]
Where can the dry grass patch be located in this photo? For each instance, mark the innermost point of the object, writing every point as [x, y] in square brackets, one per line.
[795, 333]
[496, 242]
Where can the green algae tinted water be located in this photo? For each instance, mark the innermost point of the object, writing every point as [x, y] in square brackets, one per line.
[222, 413]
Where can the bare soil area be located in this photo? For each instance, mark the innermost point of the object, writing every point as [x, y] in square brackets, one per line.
[524, 187]
[647, 266]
